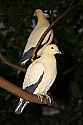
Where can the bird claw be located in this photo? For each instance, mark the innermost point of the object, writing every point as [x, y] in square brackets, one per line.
[40, 96]
[49, 98]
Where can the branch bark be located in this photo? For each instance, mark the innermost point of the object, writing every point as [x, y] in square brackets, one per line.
[14, 66]
[5, 84]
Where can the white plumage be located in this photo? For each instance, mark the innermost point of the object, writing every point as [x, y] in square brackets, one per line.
[40, 75]
[35, 35]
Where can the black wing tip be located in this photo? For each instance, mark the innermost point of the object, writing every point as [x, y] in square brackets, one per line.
[27, 55]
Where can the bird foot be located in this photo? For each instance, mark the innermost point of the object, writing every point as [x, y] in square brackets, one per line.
[40, 96]
[49, 98]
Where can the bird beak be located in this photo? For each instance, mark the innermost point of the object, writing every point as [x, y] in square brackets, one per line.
[59, 52]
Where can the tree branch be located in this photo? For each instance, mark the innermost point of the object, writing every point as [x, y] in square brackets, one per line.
[14, 66]
[5, 84]
[49, 28]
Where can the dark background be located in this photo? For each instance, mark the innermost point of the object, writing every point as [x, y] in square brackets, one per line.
[15, 26]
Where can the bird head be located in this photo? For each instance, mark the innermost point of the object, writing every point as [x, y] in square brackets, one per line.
[41, 17]
[51, 49]
[39, 12]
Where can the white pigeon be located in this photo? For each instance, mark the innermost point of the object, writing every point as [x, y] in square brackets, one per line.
[39, 29]
[40, 75]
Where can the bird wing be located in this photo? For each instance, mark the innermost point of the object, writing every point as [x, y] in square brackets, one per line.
[27, 55]
[34, 75]
[35, 36]
[33, 40]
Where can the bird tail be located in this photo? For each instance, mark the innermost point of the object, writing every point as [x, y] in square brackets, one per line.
[20, 107]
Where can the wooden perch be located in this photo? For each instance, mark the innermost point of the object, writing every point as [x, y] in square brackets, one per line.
[5, 84]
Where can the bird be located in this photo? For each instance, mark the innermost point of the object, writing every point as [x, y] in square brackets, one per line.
[35, 35]
[40, 75]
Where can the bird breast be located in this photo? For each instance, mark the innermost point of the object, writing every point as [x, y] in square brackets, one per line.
[36, 35]
[49, 64]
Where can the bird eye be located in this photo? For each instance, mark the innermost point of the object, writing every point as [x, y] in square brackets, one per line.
[52, 48]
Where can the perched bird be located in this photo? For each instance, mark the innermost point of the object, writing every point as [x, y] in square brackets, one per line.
[39, 29]
[40, 75]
